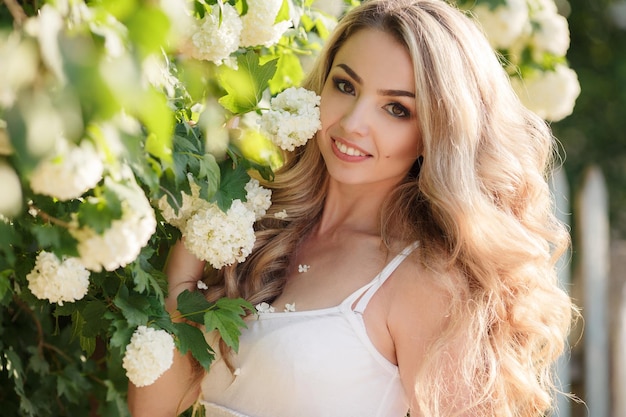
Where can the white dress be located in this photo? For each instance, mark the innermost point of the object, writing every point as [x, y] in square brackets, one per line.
[317, 363]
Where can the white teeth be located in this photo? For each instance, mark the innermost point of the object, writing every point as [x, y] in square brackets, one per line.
[347, 150]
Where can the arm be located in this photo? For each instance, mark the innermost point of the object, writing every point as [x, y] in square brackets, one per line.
[174, 391]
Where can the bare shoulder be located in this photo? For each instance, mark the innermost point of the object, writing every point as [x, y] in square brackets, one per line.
[418, 312]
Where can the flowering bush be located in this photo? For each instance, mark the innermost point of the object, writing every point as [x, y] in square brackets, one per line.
[126, 125]
[532, 39]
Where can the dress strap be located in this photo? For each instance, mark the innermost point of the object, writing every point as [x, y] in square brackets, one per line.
[382, 277]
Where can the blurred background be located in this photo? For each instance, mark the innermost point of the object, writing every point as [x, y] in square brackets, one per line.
[594, 144]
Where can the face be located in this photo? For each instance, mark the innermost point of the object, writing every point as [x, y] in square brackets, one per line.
[369, 129]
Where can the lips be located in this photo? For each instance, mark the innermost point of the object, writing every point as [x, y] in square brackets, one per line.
[348, 150]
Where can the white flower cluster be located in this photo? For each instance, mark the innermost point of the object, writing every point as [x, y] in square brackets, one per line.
[214, 40]
[293, 118]
[550, 94]
[69, 171]
[148, 355]
[215, 37]
[221, 238]
[121, 243]
[58, 280]
[530, 29]
[190, 204]
[212, 235]
[504, 24]
[10, 190]
[256, 30]
[258, 199]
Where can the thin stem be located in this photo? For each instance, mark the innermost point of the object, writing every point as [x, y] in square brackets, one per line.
[19, 16]
[45, 216]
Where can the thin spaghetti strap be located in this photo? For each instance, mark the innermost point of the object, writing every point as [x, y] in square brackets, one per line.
[382, 277]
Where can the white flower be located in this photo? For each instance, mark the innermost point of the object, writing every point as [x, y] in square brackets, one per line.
[190, 205]
[504, 24]
[551, 33]
[264, 308]
[290, 307]
[258, 23]
[214, 40]
[303, 268]
[258, 199]
[10, 190]
[57, 280]
[550, 94]
[293, 119]
[148, 355]
[334, 8]
[281, 214]
[69, 172]
[201, 285]
[121, 243]
[19, 66]
[221, 238]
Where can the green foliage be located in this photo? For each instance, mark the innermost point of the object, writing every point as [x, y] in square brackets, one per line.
[115, 73]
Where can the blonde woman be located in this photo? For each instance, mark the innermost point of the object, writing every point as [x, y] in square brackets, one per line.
[415, 270]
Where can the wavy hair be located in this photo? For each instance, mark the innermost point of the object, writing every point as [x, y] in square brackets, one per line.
[480, 204]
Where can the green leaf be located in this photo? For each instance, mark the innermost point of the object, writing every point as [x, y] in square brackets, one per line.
[245, 86]
[210, 170]
[234, 179]
[120, 337]
[192, 305]
[288, 73]
[5, 286]
[98, 212]
[228, 323]
[95, 321]
[134, 307]
[191, 338]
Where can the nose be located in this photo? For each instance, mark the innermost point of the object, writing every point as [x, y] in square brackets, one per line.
[356, 118]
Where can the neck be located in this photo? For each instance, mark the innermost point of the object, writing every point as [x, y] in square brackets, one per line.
[352, 208]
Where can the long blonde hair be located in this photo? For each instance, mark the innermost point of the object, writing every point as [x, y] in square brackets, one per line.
[480, 205]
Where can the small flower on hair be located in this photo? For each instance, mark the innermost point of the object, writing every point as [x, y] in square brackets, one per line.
[290, 307]
[201, 285]
[281, 214]
[264, 308]
[303, 268]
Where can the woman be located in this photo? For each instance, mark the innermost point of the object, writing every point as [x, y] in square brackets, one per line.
[419, 248]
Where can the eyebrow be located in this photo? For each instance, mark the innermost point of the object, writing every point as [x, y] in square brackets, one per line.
[358, 79]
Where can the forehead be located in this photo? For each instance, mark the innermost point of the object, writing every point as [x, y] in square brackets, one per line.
[378, 56]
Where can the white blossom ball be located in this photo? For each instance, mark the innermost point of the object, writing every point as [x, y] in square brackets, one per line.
[334, 8]
[58, 280]
[293, 118]
[258, 23]
[258, 199]
[190, 204]
[551, 33]
[69, 172]
[504, 24]
[10, 190]
[221, 238]
[122, 242]
[214, 40]
[550, 94]
[148, 355]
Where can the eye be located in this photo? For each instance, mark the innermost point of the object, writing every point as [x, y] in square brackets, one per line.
[397, 110]
[344, 86]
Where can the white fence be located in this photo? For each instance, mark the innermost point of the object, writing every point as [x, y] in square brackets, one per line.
[597, 371]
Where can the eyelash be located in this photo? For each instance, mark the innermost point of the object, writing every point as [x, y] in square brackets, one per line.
[391, 108]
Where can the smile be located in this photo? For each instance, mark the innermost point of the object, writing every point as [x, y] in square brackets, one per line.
[348, 150]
